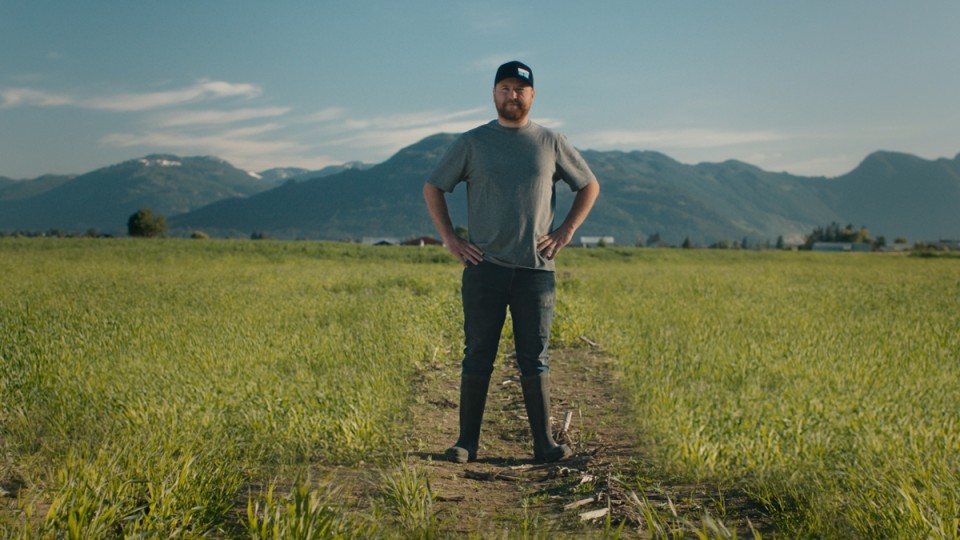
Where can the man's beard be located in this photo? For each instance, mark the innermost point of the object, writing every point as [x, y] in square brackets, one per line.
[512, 113]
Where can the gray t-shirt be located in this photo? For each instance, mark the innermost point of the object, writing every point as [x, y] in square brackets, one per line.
[511, 175]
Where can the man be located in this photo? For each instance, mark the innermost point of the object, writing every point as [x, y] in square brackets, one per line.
[510, 166]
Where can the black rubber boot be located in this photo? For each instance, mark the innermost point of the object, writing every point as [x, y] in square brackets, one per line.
[473, 399]
[536, 396]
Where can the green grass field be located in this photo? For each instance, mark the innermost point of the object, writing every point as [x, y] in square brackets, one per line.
[152, 388]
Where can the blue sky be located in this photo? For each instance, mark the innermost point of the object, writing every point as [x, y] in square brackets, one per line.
[807, 87]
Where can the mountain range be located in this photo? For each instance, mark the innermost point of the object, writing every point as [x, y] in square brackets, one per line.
[643, 193]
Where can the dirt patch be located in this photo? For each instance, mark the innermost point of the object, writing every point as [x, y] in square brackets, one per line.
[603, 486]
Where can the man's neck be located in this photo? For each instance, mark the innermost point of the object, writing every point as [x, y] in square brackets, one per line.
[512, 123]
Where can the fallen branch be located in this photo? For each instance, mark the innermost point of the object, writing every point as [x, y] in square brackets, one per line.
[581, 502]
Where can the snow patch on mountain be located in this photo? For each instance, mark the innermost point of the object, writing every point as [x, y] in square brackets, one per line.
[160, 162]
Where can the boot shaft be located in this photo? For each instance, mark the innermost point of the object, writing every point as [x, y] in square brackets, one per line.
[536, 398]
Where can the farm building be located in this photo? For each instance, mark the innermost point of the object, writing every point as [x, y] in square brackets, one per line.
[423, 241]
[380, 241]
[596, 241]
[842, 246]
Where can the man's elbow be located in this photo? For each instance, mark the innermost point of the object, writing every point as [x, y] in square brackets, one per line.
[433, 196]
[592, 189]
[430, 188]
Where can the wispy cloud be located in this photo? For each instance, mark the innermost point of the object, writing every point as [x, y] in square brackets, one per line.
[387, 134]
[323, 115]
[206, 118]
[218, 117]
[153, 100]
[411, 120]
[225, 142]
[675, 138]
[29, 97]
[129, 102]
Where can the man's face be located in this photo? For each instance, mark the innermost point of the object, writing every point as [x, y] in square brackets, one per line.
[513, 98]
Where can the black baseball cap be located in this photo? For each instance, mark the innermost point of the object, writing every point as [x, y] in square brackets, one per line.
[515, 69]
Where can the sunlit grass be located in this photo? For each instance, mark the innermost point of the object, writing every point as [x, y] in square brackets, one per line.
[145, 383]
[147, 386]
[826, 385]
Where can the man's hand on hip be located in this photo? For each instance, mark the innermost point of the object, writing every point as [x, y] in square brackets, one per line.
[551, 244]
[464, 251]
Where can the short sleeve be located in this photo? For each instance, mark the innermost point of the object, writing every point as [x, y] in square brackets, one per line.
[452, 167]
[571, 167]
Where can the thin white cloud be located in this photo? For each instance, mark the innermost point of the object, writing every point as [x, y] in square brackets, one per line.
[410, 120]
[387, 141]
[324, 115]
[223, 145]
[251, 131]
[388, 134]
[675, 138]
[215, 117]
[28, 97]
[130, 102]
[153, 100]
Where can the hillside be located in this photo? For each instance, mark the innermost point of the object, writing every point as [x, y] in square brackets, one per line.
[896, 194]
[383, 200]
[642, 193]
[12, 190]
[105, 198]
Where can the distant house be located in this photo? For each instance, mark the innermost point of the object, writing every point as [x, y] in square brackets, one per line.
[380, 241]
[842, 246]
[596, 241]
[423, 241]
[946, 245]
[896, 247]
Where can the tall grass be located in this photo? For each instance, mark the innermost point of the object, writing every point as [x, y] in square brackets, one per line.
[145, 383]
[825, 384]
[148, 387]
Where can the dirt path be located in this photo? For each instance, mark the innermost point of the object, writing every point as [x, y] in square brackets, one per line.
[506, 491]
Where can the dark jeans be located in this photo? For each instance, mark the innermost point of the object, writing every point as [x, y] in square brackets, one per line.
[488, 289]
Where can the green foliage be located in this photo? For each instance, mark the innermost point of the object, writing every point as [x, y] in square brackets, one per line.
[304, 514]
[406, 495]
[834, 233]
[144, 386]
[144, 223]
[823, 385]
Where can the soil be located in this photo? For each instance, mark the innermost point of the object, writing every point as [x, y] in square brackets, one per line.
[605, 485]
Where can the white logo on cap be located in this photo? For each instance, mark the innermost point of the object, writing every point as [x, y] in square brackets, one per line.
[523, 73]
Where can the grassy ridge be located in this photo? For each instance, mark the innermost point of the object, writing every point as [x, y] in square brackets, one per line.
[825, 384]
[146, 386]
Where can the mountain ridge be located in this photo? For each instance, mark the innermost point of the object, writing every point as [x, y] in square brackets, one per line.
[643, 193]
